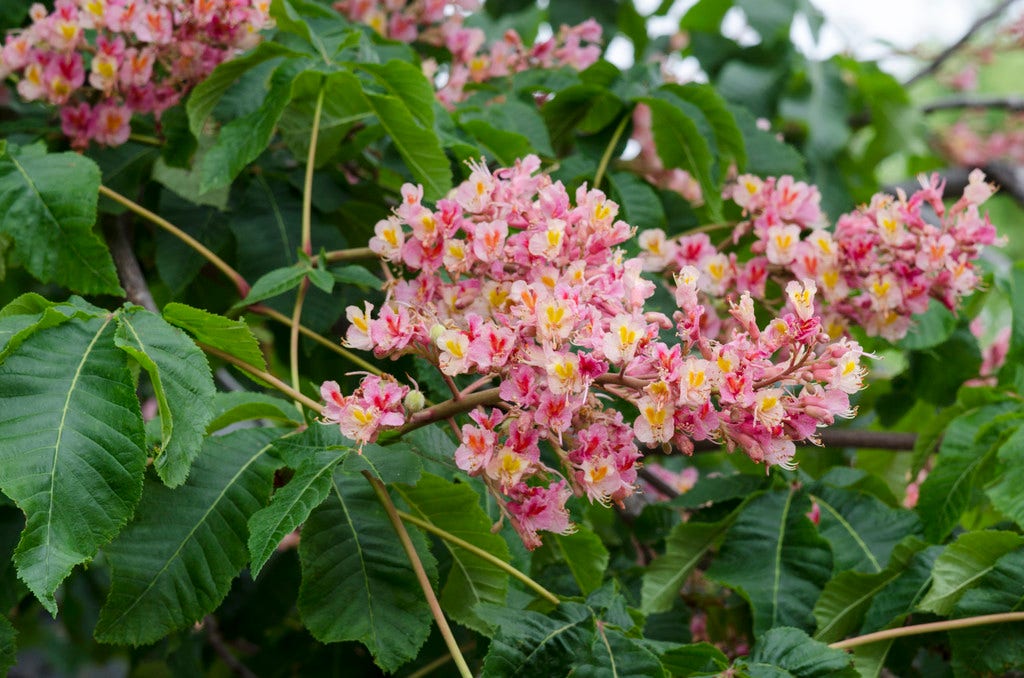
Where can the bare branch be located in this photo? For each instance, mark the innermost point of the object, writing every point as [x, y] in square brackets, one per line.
[945, 54]
[1008, 103]
[128, 270]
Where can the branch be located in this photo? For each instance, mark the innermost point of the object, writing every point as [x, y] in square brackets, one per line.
[421, 574]
[240, 284]
[264, 376]
[353, 254]
[128, 270]
[216, 641]
[917, 629]
[1008, 103]
[1009, 177]
[450, 408]
[479, 553]
[945, 54]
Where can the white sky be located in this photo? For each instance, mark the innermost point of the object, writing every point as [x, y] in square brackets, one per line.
[872, 29]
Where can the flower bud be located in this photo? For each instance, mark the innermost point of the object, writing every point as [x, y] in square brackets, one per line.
[436, 330]
[414, 401]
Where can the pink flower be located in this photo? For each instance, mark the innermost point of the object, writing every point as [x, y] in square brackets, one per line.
[536, 509]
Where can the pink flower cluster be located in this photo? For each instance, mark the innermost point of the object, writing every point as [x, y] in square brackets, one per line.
[440, 23]
[104, 60]
[877, 268]
[970, 142]
[508, 280]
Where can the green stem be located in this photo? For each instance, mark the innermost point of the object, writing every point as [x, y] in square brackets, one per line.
[307, 244]
[264, 376]
[351, 254]
[323, 341]
[607, 157]
[146, 139]
[421, 574]
[480, 553]
[240, 284]
[710, 228]
[917, 629]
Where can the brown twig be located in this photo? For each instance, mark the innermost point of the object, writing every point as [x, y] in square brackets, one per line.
[1008, 103]
[216, 641]
[945, 54]
[917, 629]
[128, 270]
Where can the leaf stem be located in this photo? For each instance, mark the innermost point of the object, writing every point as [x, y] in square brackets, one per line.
[421, 574]
[607, 157]
[351, 254]
[240, 284]
[307, 244]
[917, 629]
[323, 341]
[265, 376]
[146, 139]
[480, 553]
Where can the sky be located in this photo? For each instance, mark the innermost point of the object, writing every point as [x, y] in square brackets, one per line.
[872, 29]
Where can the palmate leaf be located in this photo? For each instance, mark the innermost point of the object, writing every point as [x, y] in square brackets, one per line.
[455, 508]
[612, 653]
[582, 552]
[230, 336]
[964, 563]
[48, 205]
[71, 447]
[685, 546]
[529, 643]
[791, 650]
[182, 383]
[176, 561]
[946, 493]
[861, 529]
[774, 558]
[292, 504]
[357, 583]
[845, 600]
[995, 648]
[1005, 491]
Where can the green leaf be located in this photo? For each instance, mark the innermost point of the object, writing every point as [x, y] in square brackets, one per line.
[1015, 354]
[716, 489]
[770, 18]
[357, 583]
[455, 508]
[48, 206]
[1005, 492]
[419, 147]
[794, 651]
[181, 381]
[946, 493]
[992, 649]
[640, 204]
[407, 82]
[231, 408]
[861, 529]
[500, 144]
[728, 137]
[292, 504]
[696, 658]
[963, 564]
[355, 274]
[901, 597]
[71, 447]
[766, 155]
[176, 561]
[613, 654]
[242, 140]
[792, 562]
[230, 336]
[931, 328]
[395, 463]
[8, 645]
[205, 96]
[276, 282]
[532, 644]
[684, 548]
[937, 374]
[582, 552]
[679, 143]
[845, 600]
